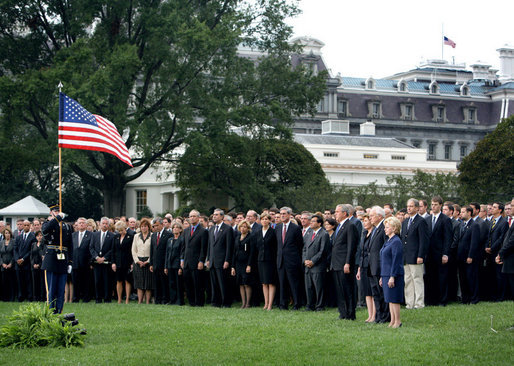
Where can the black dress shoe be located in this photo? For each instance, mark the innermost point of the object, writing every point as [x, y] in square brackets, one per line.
[69, 317]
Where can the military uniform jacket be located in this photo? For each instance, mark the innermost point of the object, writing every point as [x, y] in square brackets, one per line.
[50, 231]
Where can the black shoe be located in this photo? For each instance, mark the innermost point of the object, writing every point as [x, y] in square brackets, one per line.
[83, 331]
[74, 322]
[69, 317]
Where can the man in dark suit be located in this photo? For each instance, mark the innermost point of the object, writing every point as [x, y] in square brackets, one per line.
[415, 248]
[19, 228]
[193, 258]
[436, 268]
[100, 248]
[453, 282]
[305, 220]
[158, 244]
[505, 257]
[468, 256]
[289, 259]
[378, 238]
[344, 247]
[219, 259]
[498, 227]
[22, 248]
[315, 261]
[81, 260]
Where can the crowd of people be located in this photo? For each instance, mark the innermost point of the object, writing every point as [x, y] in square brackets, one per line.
[373, 257]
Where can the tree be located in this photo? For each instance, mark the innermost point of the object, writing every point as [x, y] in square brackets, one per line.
[159, 70]
[487, 173]
[254, 172]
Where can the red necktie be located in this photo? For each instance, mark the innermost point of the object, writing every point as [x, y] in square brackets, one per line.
[303, 231]
[284, 234]
[192, 230]
[313, 235]
[510, 220]
[158, 237]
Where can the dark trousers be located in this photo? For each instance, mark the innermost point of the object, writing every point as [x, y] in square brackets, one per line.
[162, 289]
[436, 283]
[468, 276]
[81, 280]
[220, 294]
[501, 283]
[194, 289]
[24, 277]
[453, 282]
[314, 283]
[382, 314]
[509, 279]
[289, 279]
[345, 292]
[8, 284]
[38, 285]
[102, 282]
[176, 287]
[56, 283]
[488, 280]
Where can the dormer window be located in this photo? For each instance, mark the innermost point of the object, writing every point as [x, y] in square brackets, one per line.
[434, 87]
[370, 84]
[464, 90]
[402, 86]
[470, 115]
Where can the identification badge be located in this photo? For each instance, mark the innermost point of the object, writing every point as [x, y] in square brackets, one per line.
[60, 256]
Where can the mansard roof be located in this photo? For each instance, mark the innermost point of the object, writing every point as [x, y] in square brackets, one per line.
[369, 141]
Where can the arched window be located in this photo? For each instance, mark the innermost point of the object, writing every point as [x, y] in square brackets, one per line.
[402, 86]
[434, 87]
[464, 90]
[370, 83]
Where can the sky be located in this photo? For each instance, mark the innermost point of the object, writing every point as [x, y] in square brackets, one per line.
[379, 38]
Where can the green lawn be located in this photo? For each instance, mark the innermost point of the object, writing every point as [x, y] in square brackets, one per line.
[159, 334]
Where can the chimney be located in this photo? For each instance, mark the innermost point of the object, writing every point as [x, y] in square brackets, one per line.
[367, 128]
[506, 63]
[480, 71]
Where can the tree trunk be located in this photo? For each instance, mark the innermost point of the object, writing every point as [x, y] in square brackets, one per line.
[114, 201]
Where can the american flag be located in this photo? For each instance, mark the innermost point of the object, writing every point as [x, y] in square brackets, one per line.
[79, 129]
[449, 42]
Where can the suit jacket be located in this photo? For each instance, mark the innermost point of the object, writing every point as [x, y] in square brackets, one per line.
[221, 247]
[375, 244]
[415, 240]
[484, 233]
[392, 258]
[307, 236]
[316, 251]
[440, 238]
[344, 246]
[7, 253]
[81, 255]
[357, 223]
[195, 247]
[158, 252]
[22, 249]
[173, 249]
[289, 252]
[104, 251]
[506, 253]
[456, 225]
[469, 242]
[122, 250]
[266, 246]
[36, 253]
[496, 235]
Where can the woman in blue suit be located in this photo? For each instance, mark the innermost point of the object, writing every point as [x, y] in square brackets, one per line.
[391, 257]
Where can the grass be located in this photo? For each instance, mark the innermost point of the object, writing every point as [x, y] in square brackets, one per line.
[160, 334]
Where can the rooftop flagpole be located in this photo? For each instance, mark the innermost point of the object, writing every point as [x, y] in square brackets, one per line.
[60, 174]
[442, 41]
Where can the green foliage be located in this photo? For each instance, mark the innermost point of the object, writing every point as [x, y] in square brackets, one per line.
[156, 69]
[254, 172]
[487, 173]
[145, 212]
[35, 325]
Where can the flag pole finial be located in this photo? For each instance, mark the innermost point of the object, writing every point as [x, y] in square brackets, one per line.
[60, 86]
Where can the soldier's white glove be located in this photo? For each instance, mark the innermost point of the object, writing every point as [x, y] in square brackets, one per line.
[69, 268]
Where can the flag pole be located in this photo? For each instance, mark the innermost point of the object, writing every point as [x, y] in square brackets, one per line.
[60, 178]
[442, 41]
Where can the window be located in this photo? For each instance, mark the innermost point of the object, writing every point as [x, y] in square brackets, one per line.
[141, 201]
[374, 109]
[447, 152]
[321, 106]
[342, 108]
[464, 90]
[416, 143]
[402, 86]
[463, 151]
[407, 111]
[431, 151]
[439, 113]
[397, 157]
[370, 83]
[330, 154]
[434, 88]
[470, 115]
[370, 156]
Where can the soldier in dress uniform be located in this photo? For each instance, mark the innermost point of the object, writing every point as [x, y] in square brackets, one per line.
[56, 261]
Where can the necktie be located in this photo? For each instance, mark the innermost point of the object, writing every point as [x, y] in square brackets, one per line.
[102, 240]
[337, 229]
[158, 237]
[510, 220]
[303, 231]
[409, 224]
[216, 231]
[25, 237]
[313, 235]
[283, 233]
[433, 222]
[192, 230]
[81, 236]
[494, 224]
